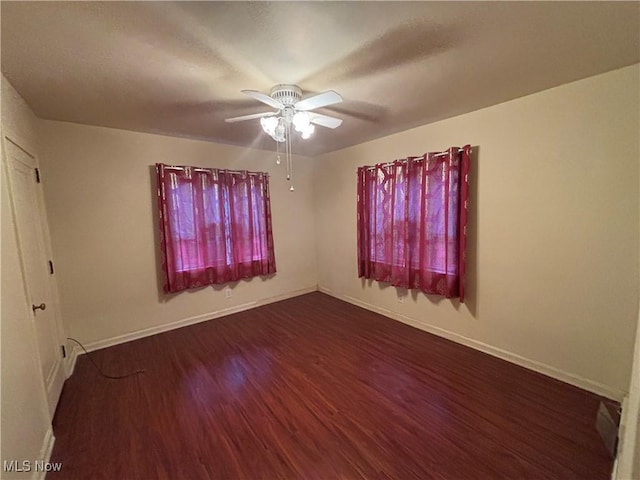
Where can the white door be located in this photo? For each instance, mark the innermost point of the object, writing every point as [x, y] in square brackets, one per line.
[29, 217]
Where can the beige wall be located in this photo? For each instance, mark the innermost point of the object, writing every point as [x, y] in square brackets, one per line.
[101, 205]
[553, 253]
[25, 426]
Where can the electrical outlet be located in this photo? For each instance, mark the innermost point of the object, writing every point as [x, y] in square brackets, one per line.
[228, 293]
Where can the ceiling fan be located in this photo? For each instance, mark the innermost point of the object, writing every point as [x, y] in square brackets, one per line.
[291, 110]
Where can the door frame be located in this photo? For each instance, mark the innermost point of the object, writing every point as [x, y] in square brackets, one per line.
[53, 384]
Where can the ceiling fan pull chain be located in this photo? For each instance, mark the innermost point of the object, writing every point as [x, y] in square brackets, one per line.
[288, 146]
[286, 151]
[290, 160]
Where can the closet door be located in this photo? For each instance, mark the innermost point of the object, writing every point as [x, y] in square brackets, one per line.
[24, 186]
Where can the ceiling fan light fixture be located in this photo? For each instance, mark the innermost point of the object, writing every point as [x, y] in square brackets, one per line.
[269, 125]
[291, 110]
[280, 132]
[301, 121]
[307, 131]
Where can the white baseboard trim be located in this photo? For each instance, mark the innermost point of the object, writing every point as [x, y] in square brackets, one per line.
[327, 291]
[563, 376]
[147, 332]
[285, 296]
[54, 384]
[45, 453]
[72, 358]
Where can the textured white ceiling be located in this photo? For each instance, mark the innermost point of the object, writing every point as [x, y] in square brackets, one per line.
[177, 68]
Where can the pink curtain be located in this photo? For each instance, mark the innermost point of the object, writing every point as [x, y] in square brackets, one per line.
[215, 226]
[412, 218]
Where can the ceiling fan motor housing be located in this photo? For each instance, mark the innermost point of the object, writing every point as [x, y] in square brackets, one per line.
[288, 95]
[287, 100]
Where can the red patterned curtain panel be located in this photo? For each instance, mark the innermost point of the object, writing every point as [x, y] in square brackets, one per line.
[412, 217]
[215, 226]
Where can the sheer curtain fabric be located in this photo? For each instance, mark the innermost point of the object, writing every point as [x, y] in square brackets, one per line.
[412, 217]
[215, 226]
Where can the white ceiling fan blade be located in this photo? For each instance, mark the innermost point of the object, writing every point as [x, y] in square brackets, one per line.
[250, 117]
[325, 120]
[264, 98]
[319, 100]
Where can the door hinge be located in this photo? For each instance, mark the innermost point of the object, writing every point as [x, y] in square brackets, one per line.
[64, 351]
[51, 267]
[37, 175]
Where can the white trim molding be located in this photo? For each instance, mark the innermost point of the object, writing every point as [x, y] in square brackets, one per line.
[627, 463]
[72, 357]
[54, 385]
[147, 332]
[511, 357]
[45, 453]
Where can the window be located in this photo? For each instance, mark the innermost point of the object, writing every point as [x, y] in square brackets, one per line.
[412, 222]
[215, 226]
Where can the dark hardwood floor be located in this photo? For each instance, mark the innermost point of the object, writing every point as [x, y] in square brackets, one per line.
[315, 388]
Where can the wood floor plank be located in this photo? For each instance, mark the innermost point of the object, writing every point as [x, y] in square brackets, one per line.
[315, 388]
